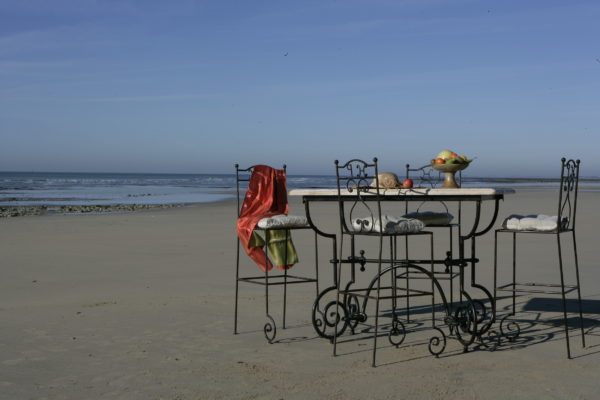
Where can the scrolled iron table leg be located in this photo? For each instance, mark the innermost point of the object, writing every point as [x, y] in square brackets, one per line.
[327, 320]
[352, 304]
[476, 307]
[464, 323]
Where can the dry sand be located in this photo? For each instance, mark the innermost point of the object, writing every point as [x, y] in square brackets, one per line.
[140, 306]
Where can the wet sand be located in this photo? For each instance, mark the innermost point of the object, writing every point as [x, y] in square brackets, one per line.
[140, 306]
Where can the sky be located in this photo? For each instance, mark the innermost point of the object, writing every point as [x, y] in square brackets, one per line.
[187, 86]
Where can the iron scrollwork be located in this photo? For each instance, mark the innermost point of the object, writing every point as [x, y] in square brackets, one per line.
[437, 343]
[569, 182]
[330, 320]
[464, 324]
[397, 332]
[509, 329]
[270, 329]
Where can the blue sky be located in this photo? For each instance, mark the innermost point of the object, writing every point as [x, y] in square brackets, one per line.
[196, 86]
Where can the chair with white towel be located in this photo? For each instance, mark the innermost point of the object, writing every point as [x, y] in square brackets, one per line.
[560, 224]
[360, 211]
[427, 177]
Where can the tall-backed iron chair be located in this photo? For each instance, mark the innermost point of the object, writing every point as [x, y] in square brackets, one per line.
[268, 226]
[361, 216]
[427, 177]
[556, 226]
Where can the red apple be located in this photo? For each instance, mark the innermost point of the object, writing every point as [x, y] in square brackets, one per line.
[407, 183]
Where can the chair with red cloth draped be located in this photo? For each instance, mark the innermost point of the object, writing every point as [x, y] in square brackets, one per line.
[265, 211]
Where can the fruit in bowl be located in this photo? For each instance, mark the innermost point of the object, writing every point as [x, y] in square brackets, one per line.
[450, 157]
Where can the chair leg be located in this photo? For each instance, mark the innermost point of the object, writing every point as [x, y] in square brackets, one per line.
[407, 272]
[393, 275]
[338, 285]
[376, 320]
[285, 276]
[237, 284]
[564, 301]
[451, 287]
[451, 229]
[460, 254]
[266, 282]
[514, 274]
[285, 273]
[270, 328]
[578, 290]
[495, 271]
[432, 282]
[377, 301]
[316, 264]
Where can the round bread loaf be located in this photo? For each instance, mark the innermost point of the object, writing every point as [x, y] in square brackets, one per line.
[387, 180]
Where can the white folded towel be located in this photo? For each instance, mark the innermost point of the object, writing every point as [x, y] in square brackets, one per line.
[283, 221]
[430, 217]
[536, 222]
[390, 225]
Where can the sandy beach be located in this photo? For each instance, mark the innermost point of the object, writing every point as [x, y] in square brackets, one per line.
[140, 306]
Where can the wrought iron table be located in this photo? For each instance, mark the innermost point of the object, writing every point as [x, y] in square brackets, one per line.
[469, 321]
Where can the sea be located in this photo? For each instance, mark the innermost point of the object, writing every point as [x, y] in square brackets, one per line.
[66, 188]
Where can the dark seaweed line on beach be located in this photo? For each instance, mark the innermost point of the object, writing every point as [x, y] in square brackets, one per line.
[18, 211]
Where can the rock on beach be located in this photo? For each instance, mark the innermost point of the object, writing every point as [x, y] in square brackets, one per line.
[18, 211]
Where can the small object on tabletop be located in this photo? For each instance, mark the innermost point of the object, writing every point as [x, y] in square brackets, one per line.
[386, 180]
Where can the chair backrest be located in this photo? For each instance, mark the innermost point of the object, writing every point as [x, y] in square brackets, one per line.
[243, 175]
[567, 198]
[427, 176]
[356, 198]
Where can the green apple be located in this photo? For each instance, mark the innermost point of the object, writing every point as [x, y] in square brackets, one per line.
[445, 154]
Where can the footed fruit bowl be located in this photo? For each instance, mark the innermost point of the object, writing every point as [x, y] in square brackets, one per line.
[449, 170]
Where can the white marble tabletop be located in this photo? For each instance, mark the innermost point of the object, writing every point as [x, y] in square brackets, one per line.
[411, 192]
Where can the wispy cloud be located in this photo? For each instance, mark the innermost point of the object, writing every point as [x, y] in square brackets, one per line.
[39, 42]
[151, 98]
[20, 65]
[511, 74]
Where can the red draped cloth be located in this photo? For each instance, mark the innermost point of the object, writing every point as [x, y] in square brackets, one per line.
[266, 197]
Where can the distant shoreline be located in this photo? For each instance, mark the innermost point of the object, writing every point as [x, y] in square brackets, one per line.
[8, 211]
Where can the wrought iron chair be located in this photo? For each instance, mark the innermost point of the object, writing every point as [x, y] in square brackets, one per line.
[361, 216]
[426, 176]
[563, 223]
[287, 223]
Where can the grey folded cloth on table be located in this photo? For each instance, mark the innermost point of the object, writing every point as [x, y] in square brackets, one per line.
[430, 217]
[389, 224]
[386, 180]
[282, 221]
[535, 222]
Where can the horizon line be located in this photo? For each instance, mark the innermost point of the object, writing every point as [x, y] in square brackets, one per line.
[591, 177]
